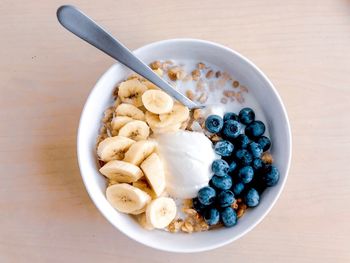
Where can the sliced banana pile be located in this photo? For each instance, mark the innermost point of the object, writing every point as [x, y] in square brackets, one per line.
[131, 162]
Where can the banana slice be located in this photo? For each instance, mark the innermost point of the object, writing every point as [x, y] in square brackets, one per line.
[160, 212]
[159, 126]
[154, 121]
[157, 101]
[131, 91]
[136, 130]
[143, 222]
[121, 171]
[142, 185]
[154, 172]
[118, 122]
[126, 198]
[168, 129]
[139, 211]
[130, 111]
[179, 113]
[139, 151]
[113, 148]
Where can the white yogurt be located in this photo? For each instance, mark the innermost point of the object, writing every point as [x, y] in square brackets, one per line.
[187, 157]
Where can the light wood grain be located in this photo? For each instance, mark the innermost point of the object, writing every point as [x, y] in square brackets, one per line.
[46, 75]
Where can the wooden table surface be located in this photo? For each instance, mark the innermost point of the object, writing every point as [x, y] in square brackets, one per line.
[46, 75]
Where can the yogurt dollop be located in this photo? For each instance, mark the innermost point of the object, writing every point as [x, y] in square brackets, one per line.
[187, 159]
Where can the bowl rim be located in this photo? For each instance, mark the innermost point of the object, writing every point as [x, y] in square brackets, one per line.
[289, 143]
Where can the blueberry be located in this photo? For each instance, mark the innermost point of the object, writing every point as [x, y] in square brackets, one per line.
[257, 164]
[232, 166]
[214, 123]
[255, 129]
[264, 142]
[270, 175]
[206, 195]
[228, 216]
[246, 174]
[220, 167]
[231, 129]
[230, 116]
[198, 206]
[244, 157]
[225, 198]
[242, 141]
[246, 116]
[222, 183]
[252, 198]
[212, 216]
[224, 148]
[238, 188]
[255, 149]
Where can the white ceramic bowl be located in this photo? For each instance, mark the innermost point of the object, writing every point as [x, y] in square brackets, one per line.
[233, 63]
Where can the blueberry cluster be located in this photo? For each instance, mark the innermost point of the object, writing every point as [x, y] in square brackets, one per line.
[240, 173]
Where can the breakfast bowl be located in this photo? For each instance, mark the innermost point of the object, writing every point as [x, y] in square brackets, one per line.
[269, 107]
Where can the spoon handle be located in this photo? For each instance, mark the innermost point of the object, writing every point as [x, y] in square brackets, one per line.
[84, 27]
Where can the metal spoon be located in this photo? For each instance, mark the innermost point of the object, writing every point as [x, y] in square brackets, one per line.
[87, 29]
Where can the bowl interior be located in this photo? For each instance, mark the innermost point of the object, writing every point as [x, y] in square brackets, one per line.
[237, 66]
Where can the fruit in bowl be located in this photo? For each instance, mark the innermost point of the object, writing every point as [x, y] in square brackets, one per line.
[185, 171]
